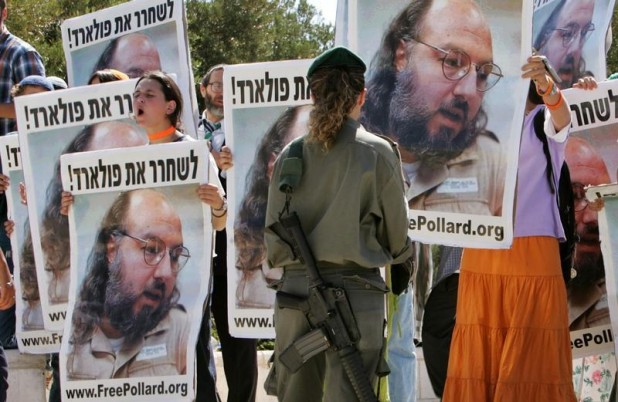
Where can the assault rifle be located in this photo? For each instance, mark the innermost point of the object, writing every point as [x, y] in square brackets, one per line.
[329, 313]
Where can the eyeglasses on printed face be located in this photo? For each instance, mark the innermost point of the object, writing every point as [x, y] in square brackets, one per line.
[579, 197]
[456, 65]
[154, 251]
[573, 31]
[216, 86]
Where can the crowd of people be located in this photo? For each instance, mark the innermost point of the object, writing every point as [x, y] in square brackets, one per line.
[157, 106]
[376, 141]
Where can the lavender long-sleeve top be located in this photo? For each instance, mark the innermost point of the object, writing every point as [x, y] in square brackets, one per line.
[536, 211]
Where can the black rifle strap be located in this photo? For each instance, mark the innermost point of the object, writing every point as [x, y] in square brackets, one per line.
[296, 148]
[291, 173]
[292, 167]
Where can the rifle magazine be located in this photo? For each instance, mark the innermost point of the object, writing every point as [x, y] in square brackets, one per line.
[303, 349]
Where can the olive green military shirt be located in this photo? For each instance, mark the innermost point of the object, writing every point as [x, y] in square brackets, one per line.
[350, 201]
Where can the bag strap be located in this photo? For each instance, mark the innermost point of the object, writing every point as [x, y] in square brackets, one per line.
[292, 167]
[539, 130]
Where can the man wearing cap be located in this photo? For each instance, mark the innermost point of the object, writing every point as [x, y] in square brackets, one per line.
[351, 206]
[32, 84]
[29, 85]
[57, 82]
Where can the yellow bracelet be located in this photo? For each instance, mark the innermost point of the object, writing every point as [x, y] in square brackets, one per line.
[547, 91]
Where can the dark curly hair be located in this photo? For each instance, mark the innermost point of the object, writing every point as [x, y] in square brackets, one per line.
[335, 92]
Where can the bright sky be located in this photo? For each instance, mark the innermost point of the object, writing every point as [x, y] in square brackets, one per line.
[327, 7]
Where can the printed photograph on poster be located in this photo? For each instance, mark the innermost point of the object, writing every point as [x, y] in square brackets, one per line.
[141, 270]
[572, 34]
[591, 155]
[608, 233]
[29, 329]
[258, 126]
[454, 128]
[52, 124]
[133, 37]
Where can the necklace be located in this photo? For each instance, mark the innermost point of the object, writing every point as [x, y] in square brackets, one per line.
[161, 134]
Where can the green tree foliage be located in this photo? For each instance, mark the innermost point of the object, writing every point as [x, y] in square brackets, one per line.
[248, 31]
[220, 31]
[38, 23]
[612, 55]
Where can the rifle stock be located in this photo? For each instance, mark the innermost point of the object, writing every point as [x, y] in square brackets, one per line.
[329, 312]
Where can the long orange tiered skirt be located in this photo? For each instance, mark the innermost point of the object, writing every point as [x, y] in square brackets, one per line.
[511, 340]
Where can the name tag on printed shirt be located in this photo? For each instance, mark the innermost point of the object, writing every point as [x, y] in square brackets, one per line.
[459, 185]
[602, 303]
[152, 352]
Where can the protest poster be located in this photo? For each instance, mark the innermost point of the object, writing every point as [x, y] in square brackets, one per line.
[572, 35]
[133, 37]
[608, 233]
[457, 197]
[142, 243]
[264, 110]
[592, 156]
[52, 123]
[594, 377]
[29, 330]
[455, 139]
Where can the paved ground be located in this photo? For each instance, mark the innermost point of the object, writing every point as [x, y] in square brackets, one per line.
[424, 394]
[262, 373]
[27, 381]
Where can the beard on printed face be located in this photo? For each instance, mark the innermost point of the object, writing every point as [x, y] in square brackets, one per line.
[409, 120]
[120, 299]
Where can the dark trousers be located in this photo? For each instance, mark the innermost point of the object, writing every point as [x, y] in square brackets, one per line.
[7, 328]
[54, 392]
[239, 354]
[206, 388]
[4, 375]
[7, 317]
[438, 325]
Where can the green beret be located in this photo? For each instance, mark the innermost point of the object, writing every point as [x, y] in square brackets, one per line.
[336, 57]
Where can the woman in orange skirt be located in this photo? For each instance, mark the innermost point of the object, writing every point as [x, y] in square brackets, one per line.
[511, 340]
